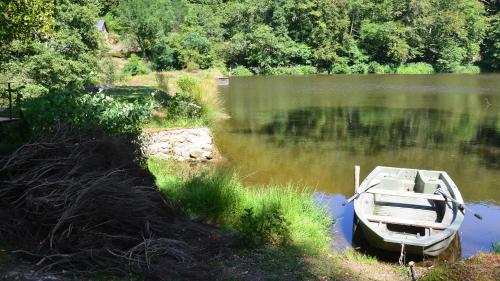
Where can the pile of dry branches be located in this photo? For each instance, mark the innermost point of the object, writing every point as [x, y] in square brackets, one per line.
[85, 204]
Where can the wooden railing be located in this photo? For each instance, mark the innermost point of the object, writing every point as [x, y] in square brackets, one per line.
[8, 97]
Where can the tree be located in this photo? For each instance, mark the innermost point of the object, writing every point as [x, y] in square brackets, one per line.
[148, 20]
[492, 44]
[25, 20]
[66, 60]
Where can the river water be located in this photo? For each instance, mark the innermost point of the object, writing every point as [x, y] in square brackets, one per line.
[312, 130]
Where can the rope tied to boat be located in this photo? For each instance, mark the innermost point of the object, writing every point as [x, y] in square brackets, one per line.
[402, 256]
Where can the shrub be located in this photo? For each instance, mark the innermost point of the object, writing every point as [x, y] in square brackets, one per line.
[467, 69]
[496, 248]
[375, 67]
[135, 66]
[360, 68]
[293, 70]
[415, 68]
[107, 71]
[86, 112]
[191, 86]
[181, 106]
[192, 66]
[341, 67]
[241, 71]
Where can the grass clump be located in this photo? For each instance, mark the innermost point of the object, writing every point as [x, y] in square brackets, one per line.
[415, 68]
[476, 268]
[360, 257]
[258, 215]
[187, 101]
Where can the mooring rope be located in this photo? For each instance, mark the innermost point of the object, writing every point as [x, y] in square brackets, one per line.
[402, 256]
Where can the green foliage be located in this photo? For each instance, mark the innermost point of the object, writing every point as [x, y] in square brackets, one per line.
[135, 66]
[492, 44]
[240, 70]
[189, 85]
[386, 42]
[377, 68]
[268, 226]
[293, 70]
[495, 248]
[26, 20]
[471, 69]
[415, 68]
[66, 59]
[149, 20]
[86, 112]
[182, 106]
[271, 214]
[107, 73]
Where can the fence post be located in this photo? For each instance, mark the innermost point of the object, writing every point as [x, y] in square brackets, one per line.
[9, 89]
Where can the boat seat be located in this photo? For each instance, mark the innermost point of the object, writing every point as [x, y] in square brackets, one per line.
[409, 222]
[428, 196]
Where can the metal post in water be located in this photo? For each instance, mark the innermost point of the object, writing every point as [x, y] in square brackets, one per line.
[356, 178]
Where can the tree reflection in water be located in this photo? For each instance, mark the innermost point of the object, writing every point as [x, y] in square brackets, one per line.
[370, 130]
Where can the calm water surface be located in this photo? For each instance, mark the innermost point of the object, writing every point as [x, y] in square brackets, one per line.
[312, 130]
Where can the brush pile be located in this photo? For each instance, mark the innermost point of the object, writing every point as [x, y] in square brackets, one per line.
[84, 204]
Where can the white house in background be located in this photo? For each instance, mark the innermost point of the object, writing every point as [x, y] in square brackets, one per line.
[101, 26]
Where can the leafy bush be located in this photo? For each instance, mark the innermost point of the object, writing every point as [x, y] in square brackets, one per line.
[415, 68]
[496, 248]
[241, 71]
[190, 85]
[467, 69]
[135, 66]
[107, 71]
[375, 67]
[86, 112]
[360, 68]
[181, 106]
[192, 66]
[293, 70]
[341, 67]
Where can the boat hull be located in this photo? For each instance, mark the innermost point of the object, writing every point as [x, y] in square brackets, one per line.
[377, 241]
[403, 208]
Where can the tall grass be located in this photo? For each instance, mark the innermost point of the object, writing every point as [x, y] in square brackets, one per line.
[186, 100]
[259, 215]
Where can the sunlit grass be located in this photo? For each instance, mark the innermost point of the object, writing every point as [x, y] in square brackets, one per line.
[360, 257]
[218, 196]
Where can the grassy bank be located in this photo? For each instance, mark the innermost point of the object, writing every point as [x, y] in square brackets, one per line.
[268, 215]
[182, 99]
[477, 268]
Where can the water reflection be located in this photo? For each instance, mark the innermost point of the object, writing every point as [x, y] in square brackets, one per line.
[369, 130]
[312, 130]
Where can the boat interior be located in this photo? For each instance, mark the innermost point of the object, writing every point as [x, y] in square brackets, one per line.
[405, 202]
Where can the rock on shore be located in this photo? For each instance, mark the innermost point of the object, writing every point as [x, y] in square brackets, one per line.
[182, 144]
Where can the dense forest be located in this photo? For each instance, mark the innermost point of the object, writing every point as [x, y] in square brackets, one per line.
[343, 36]
[42, 39]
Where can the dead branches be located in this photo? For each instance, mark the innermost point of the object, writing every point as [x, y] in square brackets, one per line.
[84, 203]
